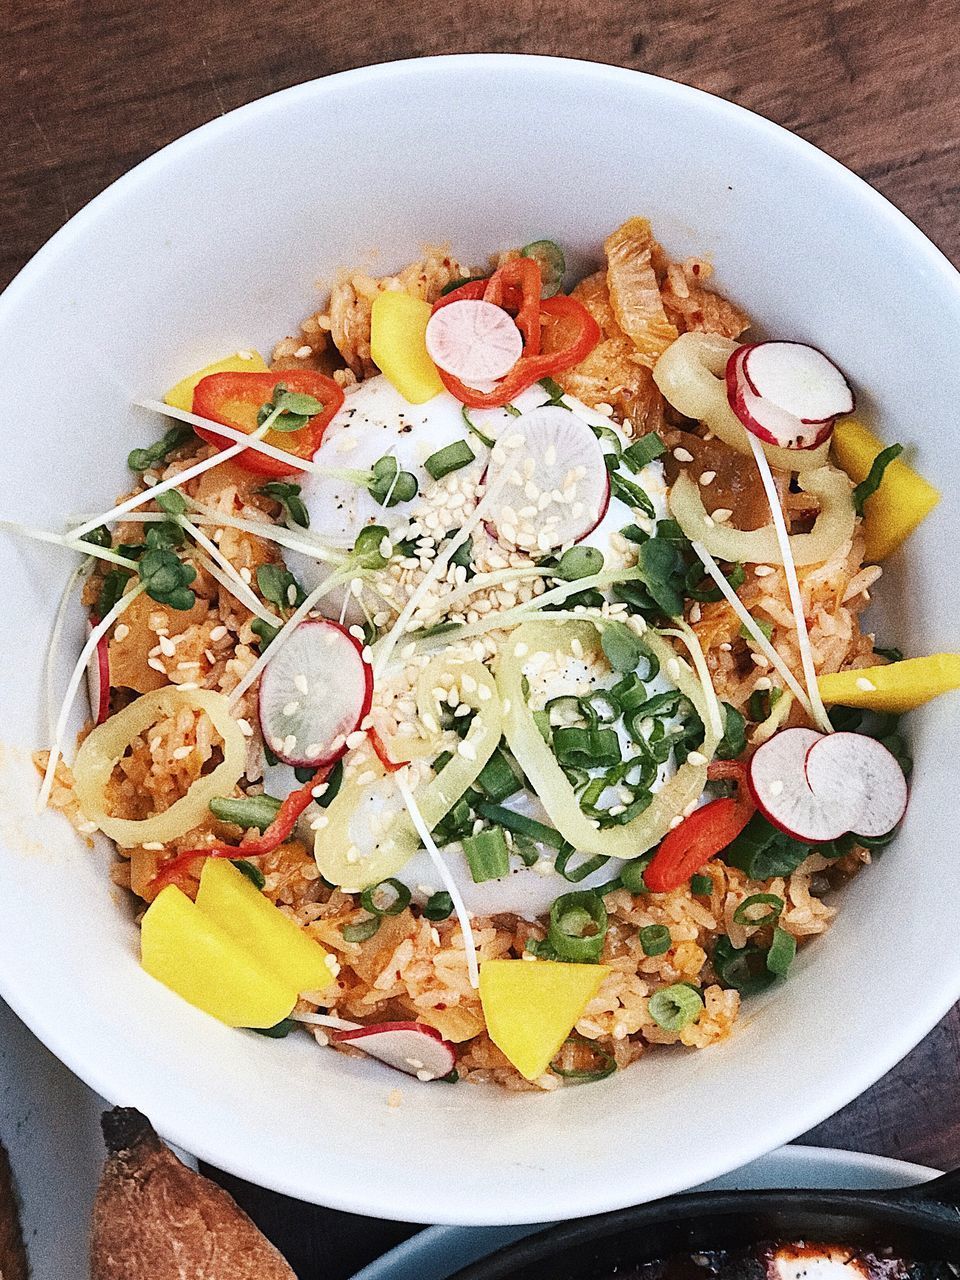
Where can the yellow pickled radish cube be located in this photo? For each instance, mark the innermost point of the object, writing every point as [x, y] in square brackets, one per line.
[398, 325]
[903, 499]
[896, 688]
[181, 396]
[193, 956]
[531, 1006]
[272, 939]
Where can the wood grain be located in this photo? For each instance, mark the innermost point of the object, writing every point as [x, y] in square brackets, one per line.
[93, 86]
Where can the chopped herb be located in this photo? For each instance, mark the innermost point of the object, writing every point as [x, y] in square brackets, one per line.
[783, 950]
[606, 1063]
[388, 485]
[438, 906]
[643, 451]
[694, 580]
[578, 926]
[449, 459]
[675, 1007]
[288, 410]
[701, 886]
[487, 855]
[144, 459]
[484, 439]
[275, 581]
[253, 874]
[172, 502]
[631, 874]
[278, 1030]
[388, 898]
[548, 255]
[497, 779]
[762, 852]
[764, 627]
[621, 646]
[742, 968]
[111, 589]
[367, 548]
[580, 872]
[360, 931]
[631, 494]
[553, 390]
[288, 495]
[99, 537]
[245, 811]
[655, 939]
[891, 654]
[869, 486]
[578, 562]
[264, 631]
[167, 579]
[734, 740]
[519, 824]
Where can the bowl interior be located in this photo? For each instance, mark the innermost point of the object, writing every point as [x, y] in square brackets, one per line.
[223, 241]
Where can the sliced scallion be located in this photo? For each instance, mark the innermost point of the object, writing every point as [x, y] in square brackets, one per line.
[360, 931]
[253, 874]
[579, 562]
[451, 458]
[549, 257]
[497, 779]
[621, 646]
[578, 926]
[520, 824]
[587, 748]
[674, 1008]
[580, 872]
[388, 898]
[631, 874]
[746, 913]
[701, 886]
[438, 906]
[782, 952]
[655, 939]
[643, 451]
[606, 1064]
[245, 811]
[487, 855]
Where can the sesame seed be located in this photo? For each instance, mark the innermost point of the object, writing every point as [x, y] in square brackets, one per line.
[244, 355]
[385, 548]
[291, 708]
[356, 587]
[218, 633]
[726, 646]
[696, 757]
[318, 790]
[356, 739]
[762, 570]
[356, 632]
[865, 685]
[157, 665]
[245, 727]
[683, 455]
[181, 753]
[763, 683]
[332, 964]
[521, 650]
[121, 632]
[319, 822]
[696, 612]
[152, 845]
[246, 575]
[722, 515]
[759, 660]
[353, 854]
[776, 787]
[485, 693]
[673, 668]
[292, 593]
[189, 684]
[707, 477]
[167, 647]
[289, 744]
[604, 408]
[301, 353]
[467, 750]
[675, 821]
[366, 655]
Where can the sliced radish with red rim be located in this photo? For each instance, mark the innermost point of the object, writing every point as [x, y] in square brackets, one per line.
[313, 694]
[474, 341]
[764, 419]
[557, 487]
[778, 784]
[852, 768]
[798, 379]
[412, 1047]
[98, 678]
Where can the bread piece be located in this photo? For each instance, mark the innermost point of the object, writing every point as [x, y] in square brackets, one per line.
[13, 1258]
[155, 1218]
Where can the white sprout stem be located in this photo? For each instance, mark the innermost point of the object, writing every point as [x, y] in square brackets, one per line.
[793, 587]
[148, 495]
[252, 440]
[449, 883]
[689, 637]
[748, 620]
[305, 544]
[521, 613]
[94, 638]
[436, 571]
[325, 1020]
[233, 583]
[56, 635]
[69, 542]
[236, 586]
[283, 635]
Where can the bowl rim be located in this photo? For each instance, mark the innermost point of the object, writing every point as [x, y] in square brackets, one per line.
[860, 1075]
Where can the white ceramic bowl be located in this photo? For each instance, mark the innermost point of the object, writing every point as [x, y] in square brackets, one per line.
[216, 243]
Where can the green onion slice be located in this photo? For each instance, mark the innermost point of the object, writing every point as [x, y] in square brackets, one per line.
[388, 898]
[452, 458]
[746, 915]
[655, 939]
[245, 811]
[549, 257]
[487, 855]
[606, 1063]
[438, 906]
[578, 926]
[674, 1008]
[782, 952]
[361, 931]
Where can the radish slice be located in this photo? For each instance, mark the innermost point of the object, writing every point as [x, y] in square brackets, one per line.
[474, 341]
[798, 379]
[764, 419]
[851, 766]
[313, 694]
[556, 489]
[412, 1047]
[780, 790]
[98, 678]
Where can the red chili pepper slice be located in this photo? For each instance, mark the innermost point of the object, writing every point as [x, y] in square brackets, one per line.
[380, 750]
[571, 330]
[707, 831]
[235, 399]
[278, 831]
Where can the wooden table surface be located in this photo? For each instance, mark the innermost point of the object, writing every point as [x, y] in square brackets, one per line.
[93, 86]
